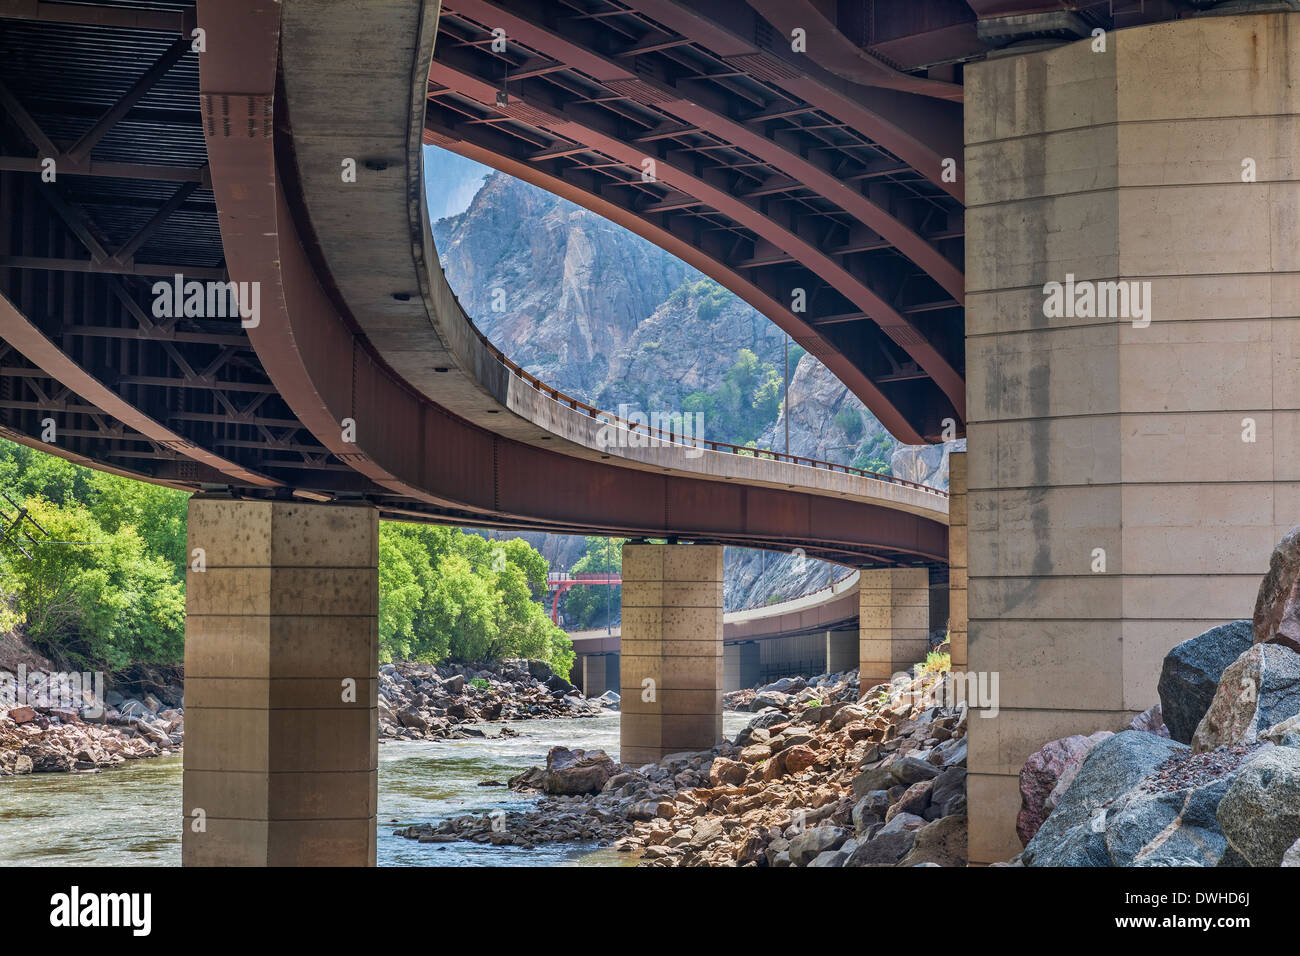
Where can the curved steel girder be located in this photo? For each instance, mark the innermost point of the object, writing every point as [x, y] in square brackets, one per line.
[696, 109]
[764, 300]
[921, 131]
[404, 442]
[18, 331]
[852, 556]
[842, 56]
[577, 125]
[67, 454]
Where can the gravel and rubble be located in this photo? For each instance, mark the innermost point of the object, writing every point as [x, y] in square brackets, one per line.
[826, 780]
[427, 702]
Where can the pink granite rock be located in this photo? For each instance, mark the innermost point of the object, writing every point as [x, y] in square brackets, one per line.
[1041, 773]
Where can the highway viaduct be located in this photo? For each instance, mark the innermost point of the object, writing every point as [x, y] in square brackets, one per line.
[892, 183]
[814, 633]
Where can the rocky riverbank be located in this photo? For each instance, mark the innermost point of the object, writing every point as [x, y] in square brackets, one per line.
[1209, 776]
[824, 780]
[416, 702]
[92, 737]
[424, 702]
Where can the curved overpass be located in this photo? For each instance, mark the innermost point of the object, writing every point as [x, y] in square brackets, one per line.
[830, 608]
[360, 325]
[357, 326]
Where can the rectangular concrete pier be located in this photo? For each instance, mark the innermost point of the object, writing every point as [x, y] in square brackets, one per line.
[281, 658]
[1129, 469]
[671, 658]
[893, 621]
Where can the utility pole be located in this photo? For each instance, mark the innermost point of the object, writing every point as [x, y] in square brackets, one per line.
[785, 402]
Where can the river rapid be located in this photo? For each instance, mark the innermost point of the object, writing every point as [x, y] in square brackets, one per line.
[130, 815]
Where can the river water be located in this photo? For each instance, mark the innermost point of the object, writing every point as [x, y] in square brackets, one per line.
[130, 815]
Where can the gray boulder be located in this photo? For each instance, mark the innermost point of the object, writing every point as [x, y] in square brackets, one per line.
[948, 794]
[910, 770]
[1171, 828]
[1113, 767]
[1259, 689]
[877, 778]
[817, 840]
[1190, 675]
[885, 850]
[1260, 813]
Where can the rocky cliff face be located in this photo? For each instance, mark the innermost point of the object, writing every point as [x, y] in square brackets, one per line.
[613, 320]
[556, 288]
[925, 464]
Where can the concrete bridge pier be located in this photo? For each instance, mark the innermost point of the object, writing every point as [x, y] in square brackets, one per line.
[281, 659]
[740, 665]
[600, 672]
[893, 622]
[671, 652]
[1130, 447]
[957, 561]
[841, 651]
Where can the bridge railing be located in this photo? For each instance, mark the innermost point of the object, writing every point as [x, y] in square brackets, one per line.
[674, 439]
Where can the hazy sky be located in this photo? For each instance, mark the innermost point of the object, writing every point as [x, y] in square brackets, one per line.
[450, 181]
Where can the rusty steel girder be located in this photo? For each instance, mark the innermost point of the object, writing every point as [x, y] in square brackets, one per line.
[415, 450]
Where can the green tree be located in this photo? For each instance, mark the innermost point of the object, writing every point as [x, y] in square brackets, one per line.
[447, 595]
[92, 597]
[595, 606]
[158, 514]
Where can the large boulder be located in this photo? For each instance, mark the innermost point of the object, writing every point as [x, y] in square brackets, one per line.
[1260, 813]
[1114, 766]
[1190, 675]
[1042, 771]
[942, 842]
[910, 770]
[1277, 605]
[885, 850]
[816, 840]
[1147, 827]
[1259, 689]
[948, 794]
[558, 686]
[409, 717]
[568, 772]
[539, 670]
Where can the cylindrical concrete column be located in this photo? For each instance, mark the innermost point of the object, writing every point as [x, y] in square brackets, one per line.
[281, 660]
[1133, 351]
[671, 651]
[893, 621]
[957, 563]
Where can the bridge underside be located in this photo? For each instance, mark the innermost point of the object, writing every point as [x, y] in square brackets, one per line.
[106, 188]
[1094, 435]
[783, 189]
